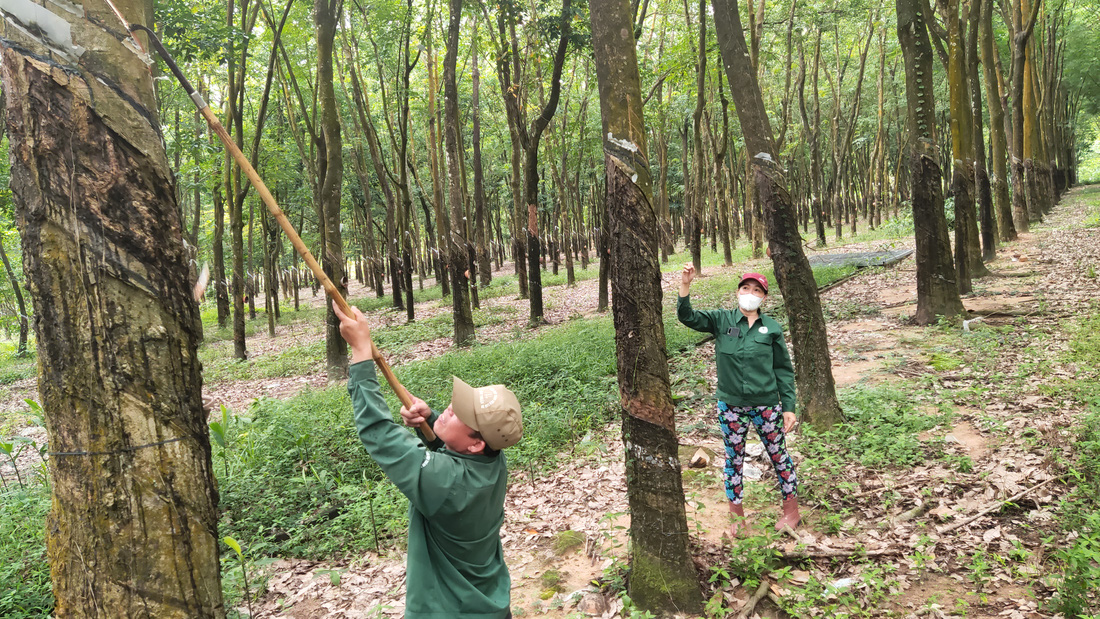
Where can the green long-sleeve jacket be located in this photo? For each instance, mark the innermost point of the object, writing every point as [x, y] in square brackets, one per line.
[456, 507]
[754, 367]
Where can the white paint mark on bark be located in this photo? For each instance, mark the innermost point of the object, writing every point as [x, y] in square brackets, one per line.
[26, 14]
[627, 144]
[641, 453]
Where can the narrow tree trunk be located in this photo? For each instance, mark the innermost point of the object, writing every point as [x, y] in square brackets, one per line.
[663, 577]
[1022, 212]
[456, 243]
[21, 350]
[132, 530]
[326, 15]
[813, 370]
[485, 269]
[981, 174]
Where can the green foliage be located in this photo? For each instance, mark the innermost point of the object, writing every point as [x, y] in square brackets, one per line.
[945, 362]
[309, 445]
[1078, 587]
[219, 364]
[860, 596]
[13, 367]
[752, 558]
[24, 574]
[881, 428]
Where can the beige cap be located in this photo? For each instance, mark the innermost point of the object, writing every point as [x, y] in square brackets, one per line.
[493, 411]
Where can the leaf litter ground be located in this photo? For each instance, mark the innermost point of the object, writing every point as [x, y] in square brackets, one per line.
[888, 539]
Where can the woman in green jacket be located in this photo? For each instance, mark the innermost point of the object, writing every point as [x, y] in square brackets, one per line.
[755, 387]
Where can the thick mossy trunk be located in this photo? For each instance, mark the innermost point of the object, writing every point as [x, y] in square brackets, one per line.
[662, 575]
[133, 527]
[937, 291]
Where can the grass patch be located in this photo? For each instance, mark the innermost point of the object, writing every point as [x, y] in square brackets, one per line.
[881, 428]
[1078, 583]
[218, 363]
[333, 500]
[24, 574]
[14, 368]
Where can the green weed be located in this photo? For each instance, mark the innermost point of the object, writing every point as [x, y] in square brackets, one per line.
[13, 367]
[881, 428]
[1079, 584]
[566, 540]
[25, 590]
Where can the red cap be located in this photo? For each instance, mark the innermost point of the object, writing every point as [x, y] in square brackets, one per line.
[756, 277]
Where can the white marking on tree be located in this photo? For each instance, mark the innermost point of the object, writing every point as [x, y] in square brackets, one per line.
[627, 144]
[52, 26]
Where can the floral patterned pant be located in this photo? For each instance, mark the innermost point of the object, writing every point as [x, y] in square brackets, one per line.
[734, 421]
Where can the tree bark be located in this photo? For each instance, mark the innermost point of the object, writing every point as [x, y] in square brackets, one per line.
[982, 186]
[662, 577]
[937, 291]
[968, 260]
[1022, 212]
[326, 15]
[530, 169]
[485, 268]
[997, 137]
[813, 369]
[455, 244]
[133, 526]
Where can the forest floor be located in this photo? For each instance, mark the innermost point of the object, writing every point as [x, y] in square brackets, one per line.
[882, 540]
[878, 538]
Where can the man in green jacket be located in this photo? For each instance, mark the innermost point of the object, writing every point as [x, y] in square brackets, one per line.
[455, 485]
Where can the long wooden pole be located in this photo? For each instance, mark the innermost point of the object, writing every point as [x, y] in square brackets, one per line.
[273, 207]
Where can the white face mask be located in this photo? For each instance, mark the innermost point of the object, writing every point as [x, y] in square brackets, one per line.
[749, 302]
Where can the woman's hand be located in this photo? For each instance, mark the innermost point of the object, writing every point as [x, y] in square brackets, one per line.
[789, 422]
[686, 278]
[688, 274]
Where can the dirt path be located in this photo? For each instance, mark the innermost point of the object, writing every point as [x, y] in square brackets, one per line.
[871, 343]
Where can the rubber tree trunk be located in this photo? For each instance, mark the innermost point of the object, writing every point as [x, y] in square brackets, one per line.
[1022, 212]
[485, 268]
[662, 575]
[132, 530]
[968, 260]
[326, 15]
[997, 137]
[986, 215]
[813, 370]
[455, 244]
[937, 291]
